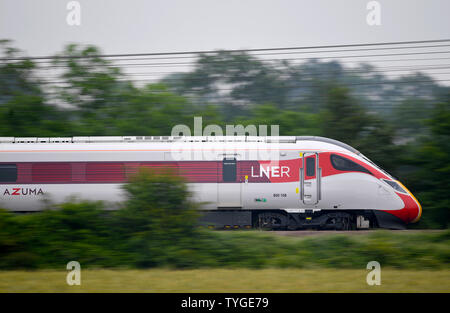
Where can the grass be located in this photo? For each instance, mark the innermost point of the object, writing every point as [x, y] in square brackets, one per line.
[226, 280]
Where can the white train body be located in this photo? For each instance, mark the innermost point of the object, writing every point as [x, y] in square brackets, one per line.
[240, 181]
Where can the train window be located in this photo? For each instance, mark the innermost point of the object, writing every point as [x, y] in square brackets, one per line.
[343, 164]
[51, 172]
[105, 172]
[8, 173]
[310, 166]
[229, 170]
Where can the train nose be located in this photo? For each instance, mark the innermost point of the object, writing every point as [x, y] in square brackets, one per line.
[412, 205]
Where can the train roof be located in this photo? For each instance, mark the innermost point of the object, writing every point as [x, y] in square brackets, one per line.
[162, 139]
[328, 140]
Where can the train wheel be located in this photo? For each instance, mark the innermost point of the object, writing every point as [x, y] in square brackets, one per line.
[271, 220]
[345, 224]
[340, 222]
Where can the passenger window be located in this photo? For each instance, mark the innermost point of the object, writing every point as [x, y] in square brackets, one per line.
[8, 173]
[311, 166]
[51, 172]
[344, 164]
[229, 170]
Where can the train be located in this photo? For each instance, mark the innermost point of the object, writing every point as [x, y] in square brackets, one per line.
[282, 182]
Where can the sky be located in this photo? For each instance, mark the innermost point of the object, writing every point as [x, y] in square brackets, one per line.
[119, 26]
[140, 26]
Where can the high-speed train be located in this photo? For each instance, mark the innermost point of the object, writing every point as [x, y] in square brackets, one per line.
[240, 181]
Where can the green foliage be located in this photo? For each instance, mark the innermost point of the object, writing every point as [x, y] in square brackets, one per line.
[23, 108]
[345, 120]
[132, 238]
[252, 81]
[157, 227]
[342, 118]
[290, 122]
[410, 117]
[433, 174]
[157, 222]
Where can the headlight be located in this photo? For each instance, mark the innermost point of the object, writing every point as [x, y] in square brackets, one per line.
[395, 185]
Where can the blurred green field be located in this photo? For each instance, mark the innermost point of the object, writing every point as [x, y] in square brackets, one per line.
[226, 280]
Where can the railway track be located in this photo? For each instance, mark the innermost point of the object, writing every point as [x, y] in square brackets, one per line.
[302, 233]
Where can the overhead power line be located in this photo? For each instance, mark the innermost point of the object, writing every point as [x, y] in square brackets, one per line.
[273, 53]
[425, 69]
[233, 50]
[184, 64]
[290, 86]
[59, 79]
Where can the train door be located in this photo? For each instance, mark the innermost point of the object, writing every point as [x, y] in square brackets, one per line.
[310, 179]
[229, 187]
